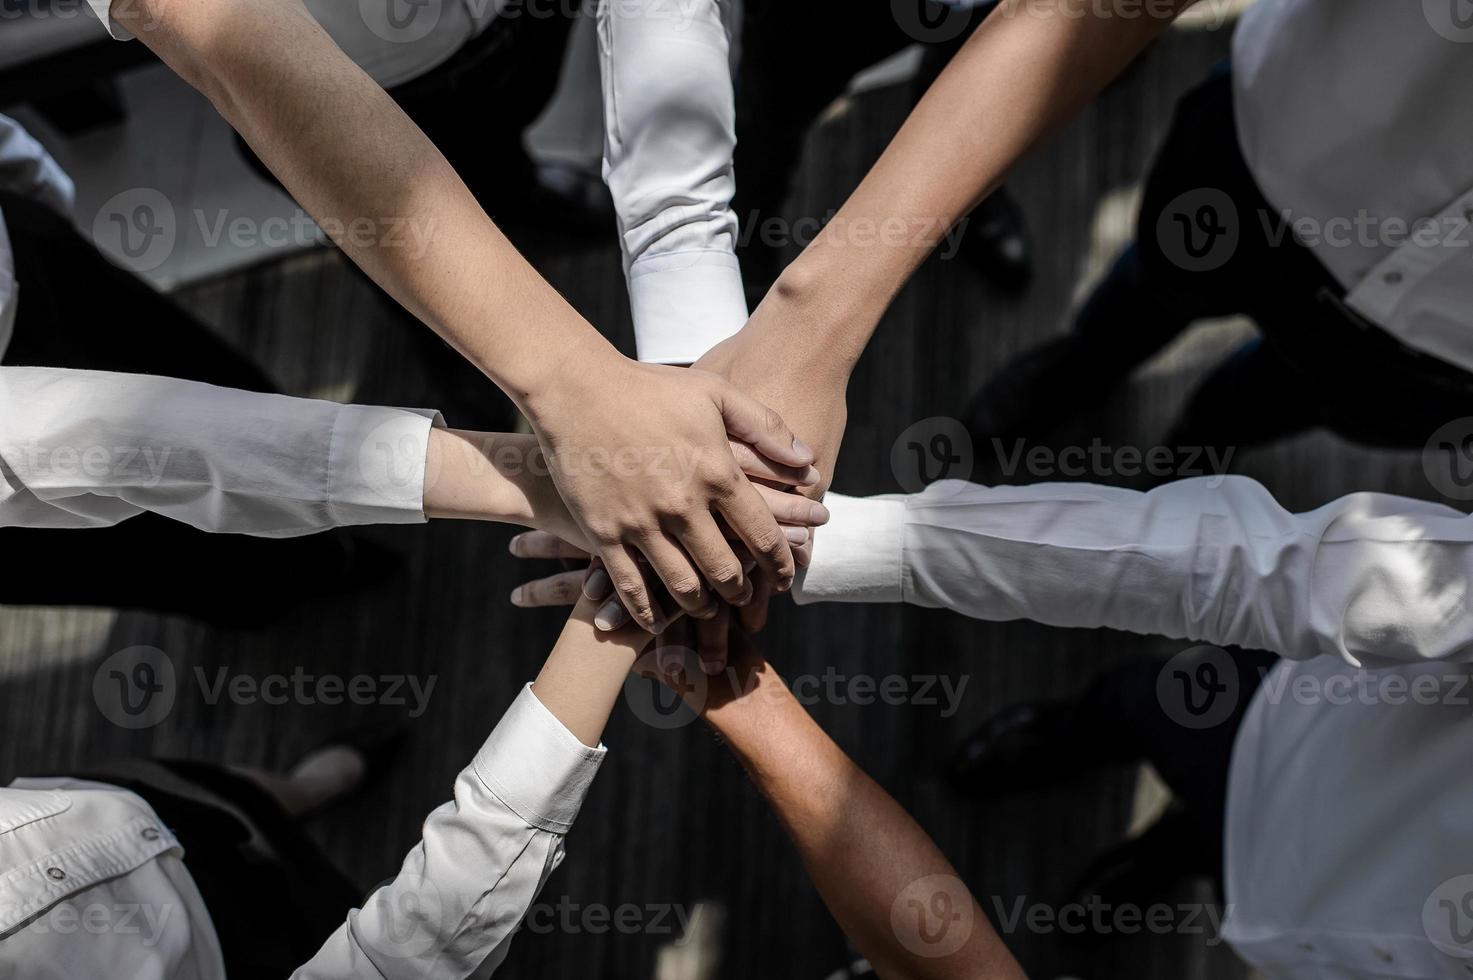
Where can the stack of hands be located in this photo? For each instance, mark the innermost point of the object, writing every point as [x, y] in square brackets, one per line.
[710, 501]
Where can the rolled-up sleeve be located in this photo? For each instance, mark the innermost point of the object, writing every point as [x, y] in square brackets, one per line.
[670, 131]
[91, 448]
[112, 19]
[1370, 578]
[484, 857]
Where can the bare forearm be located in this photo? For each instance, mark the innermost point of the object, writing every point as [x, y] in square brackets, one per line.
[361, 167]
[585, 673]
[864, 853]
[1027, 70]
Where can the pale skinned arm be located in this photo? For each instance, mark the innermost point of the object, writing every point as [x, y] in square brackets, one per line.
[1037, 64]
[868, 858]
[358, 165]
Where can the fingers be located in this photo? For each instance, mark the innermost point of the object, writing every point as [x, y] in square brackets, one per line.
[632, 596]
[711, 640]
[541, 544]
[749, 516]
[562, 589]
[764, 430]
[753, 616]
[707, 546]
[759, 467]
[792, 508]
[682, 579]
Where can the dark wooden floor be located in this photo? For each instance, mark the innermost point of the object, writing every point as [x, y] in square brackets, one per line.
[671, 821]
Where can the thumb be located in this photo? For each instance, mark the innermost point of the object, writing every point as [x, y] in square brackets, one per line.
[748, 420]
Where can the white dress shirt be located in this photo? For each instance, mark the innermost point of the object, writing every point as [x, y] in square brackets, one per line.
[25, 168]
[1347, 818]
[1351, 119]
[670, 130]
[94, 887]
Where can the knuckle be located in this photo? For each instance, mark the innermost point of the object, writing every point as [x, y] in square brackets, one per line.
[685, 586]
[725, 574]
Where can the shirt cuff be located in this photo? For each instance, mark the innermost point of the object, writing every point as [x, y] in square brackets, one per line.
[538, 768]
[101, 9]
[376, 465]
[685, 303]
[859, 555]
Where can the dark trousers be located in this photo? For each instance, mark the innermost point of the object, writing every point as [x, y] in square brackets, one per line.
[1209, 244]
[1139, 713]
[798, 57]
[79, 311]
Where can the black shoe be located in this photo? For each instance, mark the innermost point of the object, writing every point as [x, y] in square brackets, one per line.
[1024, 746]
[995, 241]
[1036, 391]
[1143, 870]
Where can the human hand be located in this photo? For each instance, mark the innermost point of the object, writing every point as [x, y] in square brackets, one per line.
[639, 453]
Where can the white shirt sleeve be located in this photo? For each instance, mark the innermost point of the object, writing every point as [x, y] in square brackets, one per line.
[91, 448]
[465, 888]
[670, 131]
[1370, 578]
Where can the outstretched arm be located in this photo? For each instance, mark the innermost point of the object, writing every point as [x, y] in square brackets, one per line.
[1370, 578]
[463, 890]
[883, 879]
[1038, 65]
[637, 451]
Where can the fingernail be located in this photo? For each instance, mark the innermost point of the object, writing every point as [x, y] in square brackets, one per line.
[611, 616]
[746, 596]
[818, 514]
[597, 584]
[516, 596]
[668, 661]
[711, 667]
[810, 476]
[784, 585]
[514, 545]
[660, 626]
[801, 448]
[796, 535]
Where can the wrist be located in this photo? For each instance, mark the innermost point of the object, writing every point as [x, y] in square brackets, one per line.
[485, 476]
[825, 325]
[562, 379]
